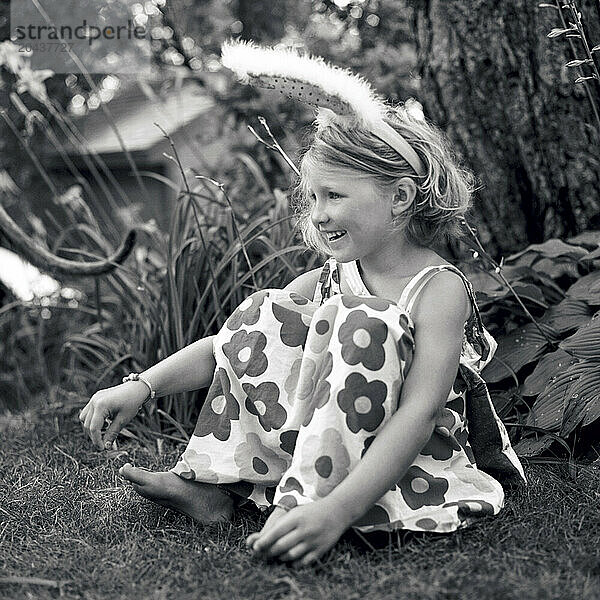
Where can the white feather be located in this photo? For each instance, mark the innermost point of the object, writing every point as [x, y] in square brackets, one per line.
[247, 59]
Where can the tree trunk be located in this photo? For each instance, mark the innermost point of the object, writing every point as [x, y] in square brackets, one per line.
[494, 81]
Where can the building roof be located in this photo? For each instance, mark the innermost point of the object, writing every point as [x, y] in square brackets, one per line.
[136, 109]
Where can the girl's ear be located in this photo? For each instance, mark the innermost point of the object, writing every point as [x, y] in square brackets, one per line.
[404, 197]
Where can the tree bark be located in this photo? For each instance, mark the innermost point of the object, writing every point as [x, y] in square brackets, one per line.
[494, 81]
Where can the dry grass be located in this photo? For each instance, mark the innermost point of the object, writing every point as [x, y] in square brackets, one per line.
[70, 522]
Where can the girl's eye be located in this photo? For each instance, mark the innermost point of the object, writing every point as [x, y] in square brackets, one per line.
[330, 195]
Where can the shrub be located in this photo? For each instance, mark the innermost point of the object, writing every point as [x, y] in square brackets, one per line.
[545, 376]
[181, 287]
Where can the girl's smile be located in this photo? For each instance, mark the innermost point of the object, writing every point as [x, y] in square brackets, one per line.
[353, 215]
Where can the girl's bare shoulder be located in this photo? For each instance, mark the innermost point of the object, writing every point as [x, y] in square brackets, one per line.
[443, 297]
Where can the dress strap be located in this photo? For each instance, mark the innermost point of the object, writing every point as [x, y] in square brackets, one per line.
[329, 281]
[354, 280]
[420, 280]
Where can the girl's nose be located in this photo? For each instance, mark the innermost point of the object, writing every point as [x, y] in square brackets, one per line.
[318, 214]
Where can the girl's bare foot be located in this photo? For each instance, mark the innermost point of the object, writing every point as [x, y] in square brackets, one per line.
[203, 502]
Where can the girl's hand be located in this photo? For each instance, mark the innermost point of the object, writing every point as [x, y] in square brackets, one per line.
[303, 534]
[120, 403]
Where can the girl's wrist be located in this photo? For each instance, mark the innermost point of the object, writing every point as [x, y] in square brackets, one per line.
[137, 377]
[141, 390]
[344, 509]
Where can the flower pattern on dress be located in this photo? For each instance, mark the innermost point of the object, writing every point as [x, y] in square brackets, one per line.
[219, 409]
[263, 402]
[306, 381]
[321, 390]
[287, 440]
[362, 339]
[445, 421]
[457, 405]
[459, 385]
[441, 446]
[467, 508]
[248, 312]
[291, 484]
[427, 523]
[257, 462]
[464, 471]
[288, 502]
[362, 401]
[373, 302]
[375, 515]
[293, 329]
[193, 465]
[325, 461]
[291, 381]
[367, 445]
[419, 488]
[321, 326]
[298, 299]
[245, 353]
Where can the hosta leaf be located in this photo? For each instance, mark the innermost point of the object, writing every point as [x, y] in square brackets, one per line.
[551, 249]
[549, 408]
[531, 446]
[549, 365]
[519, 348]
[586, 288]
[484, 281]
[525, 291]
[585, 342]
[566, 315]
[589, 239]
[557, 267]
[583, 398]
[592, 256]
[503, 402]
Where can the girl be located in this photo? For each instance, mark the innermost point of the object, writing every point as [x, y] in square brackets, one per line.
[351, 398]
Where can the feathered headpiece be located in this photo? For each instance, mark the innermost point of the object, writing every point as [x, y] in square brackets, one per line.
[338, 94]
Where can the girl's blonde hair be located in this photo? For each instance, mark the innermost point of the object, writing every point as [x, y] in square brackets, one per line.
[443, 196]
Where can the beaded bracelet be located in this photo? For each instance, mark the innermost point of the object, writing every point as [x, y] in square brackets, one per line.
[138, 377]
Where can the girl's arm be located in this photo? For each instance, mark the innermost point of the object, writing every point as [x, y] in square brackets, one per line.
[307, 531]
[188, 369]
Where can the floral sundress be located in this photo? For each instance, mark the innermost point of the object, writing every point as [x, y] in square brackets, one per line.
[303, 386]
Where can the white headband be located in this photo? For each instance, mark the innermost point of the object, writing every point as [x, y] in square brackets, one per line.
[313, 81]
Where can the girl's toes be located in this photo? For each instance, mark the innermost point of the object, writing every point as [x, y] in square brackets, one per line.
[251, 539]
[135, 475]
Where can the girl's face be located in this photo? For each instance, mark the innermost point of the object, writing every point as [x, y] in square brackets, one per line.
[353, 216]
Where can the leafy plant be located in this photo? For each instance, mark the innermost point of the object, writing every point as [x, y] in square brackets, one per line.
[545, 375]
[572, 28]
[181, 287]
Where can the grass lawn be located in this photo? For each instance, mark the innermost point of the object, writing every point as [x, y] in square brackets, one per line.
[70, 527]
